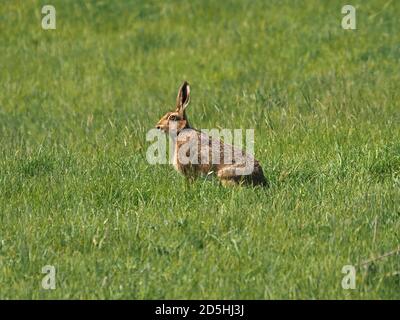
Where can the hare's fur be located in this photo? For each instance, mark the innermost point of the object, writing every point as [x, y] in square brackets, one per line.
[212, 156]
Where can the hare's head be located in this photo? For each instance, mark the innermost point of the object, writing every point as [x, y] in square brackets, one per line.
[177, 120]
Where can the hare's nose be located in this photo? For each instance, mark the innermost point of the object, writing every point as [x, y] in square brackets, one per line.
[158, 127]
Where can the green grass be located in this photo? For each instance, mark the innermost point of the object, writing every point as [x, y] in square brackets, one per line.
[77, 192]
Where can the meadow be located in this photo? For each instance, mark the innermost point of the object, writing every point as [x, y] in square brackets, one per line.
[77, 192]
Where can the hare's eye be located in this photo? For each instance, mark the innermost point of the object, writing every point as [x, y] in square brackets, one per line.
[173, 118]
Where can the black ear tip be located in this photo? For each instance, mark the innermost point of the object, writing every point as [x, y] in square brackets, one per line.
[185, 83]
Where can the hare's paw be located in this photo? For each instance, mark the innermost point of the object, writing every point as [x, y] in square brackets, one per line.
[229, 182]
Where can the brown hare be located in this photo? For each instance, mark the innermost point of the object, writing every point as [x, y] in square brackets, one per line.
[196, 153]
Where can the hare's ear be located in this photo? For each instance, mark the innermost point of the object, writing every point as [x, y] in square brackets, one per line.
[183, 98]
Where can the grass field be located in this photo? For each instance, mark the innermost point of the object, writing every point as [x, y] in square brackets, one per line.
[76, 191]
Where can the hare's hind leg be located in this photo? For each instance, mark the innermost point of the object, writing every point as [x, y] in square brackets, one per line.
[228, 177]
[229, 182]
